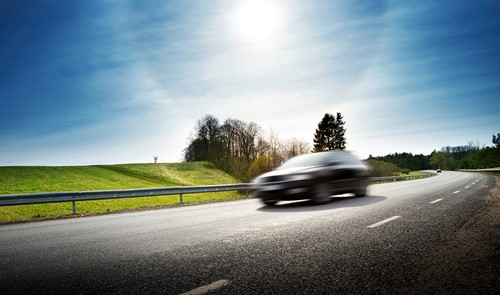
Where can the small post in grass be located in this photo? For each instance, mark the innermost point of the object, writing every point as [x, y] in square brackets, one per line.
[74, 208]
[181, 198]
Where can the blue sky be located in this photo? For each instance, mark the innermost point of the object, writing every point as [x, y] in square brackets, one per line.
[93, 82]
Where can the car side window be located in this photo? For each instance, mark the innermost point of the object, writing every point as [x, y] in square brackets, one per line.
[348, 159]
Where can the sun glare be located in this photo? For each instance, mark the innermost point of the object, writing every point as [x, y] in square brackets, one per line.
[258, 22]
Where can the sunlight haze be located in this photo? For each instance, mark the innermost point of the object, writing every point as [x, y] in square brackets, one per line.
[99, 82]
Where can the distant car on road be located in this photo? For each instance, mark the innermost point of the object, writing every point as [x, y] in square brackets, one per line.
[438, 171]
[315, 176]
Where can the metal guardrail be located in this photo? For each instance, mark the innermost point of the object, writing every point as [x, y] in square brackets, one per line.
[496, 170]
[401, 178]
[57, 197]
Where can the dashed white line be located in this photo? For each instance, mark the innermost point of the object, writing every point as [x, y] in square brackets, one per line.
[435, 201]
[467, 186]
[456, 192]
[208, 288]
[384, 221]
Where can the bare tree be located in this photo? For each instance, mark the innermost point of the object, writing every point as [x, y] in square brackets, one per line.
[295, 147]
[239, 148]
[155, 158]
[275, 153]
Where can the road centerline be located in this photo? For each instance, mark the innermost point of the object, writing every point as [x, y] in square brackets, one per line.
[384, 221]
[435, 201]
[208, 288]
[456, 192]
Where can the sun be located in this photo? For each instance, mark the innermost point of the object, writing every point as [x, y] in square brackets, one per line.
[257, 22]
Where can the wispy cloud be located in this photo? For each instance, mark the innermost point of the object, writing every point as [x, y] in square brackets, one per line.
[105, 80]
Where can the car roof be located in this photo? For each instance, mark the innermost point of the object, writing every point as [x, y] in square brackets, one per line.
[314, 159]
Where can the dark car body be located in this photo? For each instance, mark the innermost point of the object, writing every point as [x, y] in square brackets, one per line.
[315, 176]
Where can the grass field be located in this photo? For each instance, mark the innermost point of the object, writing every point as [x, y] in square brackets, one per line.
[17, 180]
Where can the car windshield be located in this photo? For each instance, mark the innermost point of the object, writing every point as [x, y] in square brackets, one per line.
[308, 160]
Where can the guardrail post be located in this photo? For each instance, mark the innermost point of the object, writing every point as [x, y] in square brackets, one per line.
[181, 198]
[74, 208]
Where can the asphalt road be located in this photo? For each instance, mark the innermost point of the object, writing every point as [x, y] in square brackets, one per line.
[368, 245]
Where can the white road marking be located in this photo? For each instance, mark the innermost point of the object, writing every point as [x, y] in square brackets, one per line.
[208, 288]
[456, 192]
[384, 221]
[467, 186]
[435, 201]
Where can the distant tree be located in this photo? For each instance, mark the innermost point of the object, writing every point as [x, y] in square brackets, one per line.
[205, 143]
[330, 134]
[496, 140]
[232, 146]
[339, 133]
[381, 168]
[239, 148]
[276, 150]
[295, 147]
[442, 160]
[155, 158]
[406, 160]
[323, 138]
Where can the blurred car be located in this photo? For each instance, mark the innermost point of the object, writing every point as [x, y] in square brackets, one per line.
[438, 171]
[315, 176]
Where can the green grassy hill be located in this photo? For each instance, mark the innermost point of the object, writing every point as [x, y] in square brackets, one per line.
[16, 180]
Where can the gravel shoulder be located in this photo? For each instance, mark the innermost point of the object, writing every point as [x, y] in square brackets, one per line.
[469, 263]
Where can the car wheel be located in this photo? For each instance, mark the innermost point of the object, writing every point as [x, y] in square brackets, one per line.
[321, 193]
[361, 192]
[269, 202]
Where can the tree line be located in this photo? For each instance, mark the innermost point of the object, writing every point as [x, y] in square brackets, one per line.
[240, 148]
[471, 156]
[245, 151]
[397, 163]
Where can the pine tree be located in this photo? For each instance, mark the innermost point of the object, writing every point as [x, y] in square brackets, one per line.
[330, 134]
[496, 140]
[339, 133]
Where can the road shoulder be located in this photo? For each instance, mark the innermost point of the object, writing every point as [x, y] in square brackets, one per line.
[469, 262]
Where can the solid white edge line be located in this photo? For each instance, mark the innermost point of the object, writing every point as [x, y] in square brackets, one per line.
[208, 288]
[456, 192]
[435, 201]
[384, 221]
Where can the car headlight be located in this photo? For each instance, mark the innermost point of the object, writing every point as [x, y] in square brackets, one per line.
[258, 180]
[298, 177]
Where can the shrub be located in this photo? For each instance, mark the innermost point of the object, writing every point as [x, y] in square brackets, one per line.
[381, 168]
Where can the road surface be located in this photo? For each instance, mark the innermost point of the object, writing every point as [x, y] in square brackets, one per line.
[396, 240]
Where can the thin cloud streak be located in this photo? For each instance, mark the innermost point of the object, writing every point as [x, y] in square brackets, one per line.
[125, 81]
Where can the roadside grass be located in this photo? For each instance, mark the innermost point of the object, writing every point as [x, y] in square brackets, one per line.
[409, 173]
[18, 180]
[414, 173]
